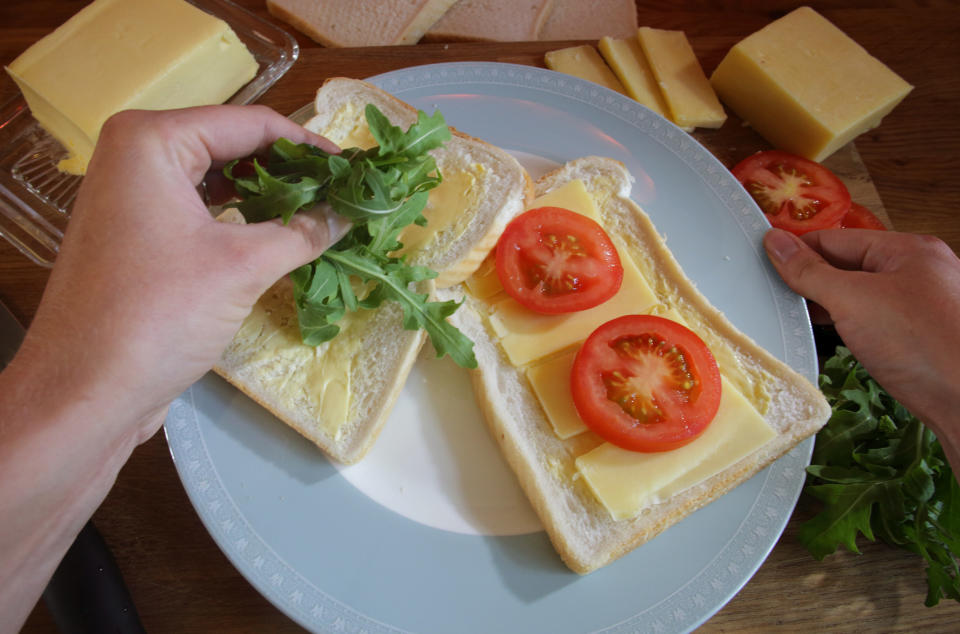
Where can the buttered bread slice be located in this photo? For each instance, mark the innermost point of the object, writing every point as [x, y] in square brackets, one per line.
[340, 393]
[598, 501]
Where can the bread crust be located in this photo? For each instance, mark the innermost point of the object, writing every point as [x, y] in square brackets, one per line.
[580, 528]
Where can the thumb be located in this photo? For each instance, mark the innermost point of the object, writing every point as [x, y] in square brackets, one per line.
[278, 249]
[802, 268]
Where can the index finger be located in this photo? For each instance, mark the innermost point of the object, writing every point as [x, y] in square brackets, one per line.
[216, 134]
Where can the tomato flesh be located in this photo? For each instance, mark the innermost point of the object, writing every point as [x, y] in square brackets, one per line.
[859, 217]
[553, 260]
[645, 383]
[794, 193]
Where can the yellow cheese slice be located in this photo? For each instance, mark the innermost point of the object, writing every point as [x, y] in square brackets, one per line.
[630, 65]
[584, 62]
[550, 381]
[527, 336]
[806, 86]
[120, 54]
[485, 283]
[692, 101]
[626, 482]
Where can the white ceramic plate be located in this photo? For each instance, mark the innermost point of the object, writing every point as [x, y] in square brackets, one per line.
[430, 533]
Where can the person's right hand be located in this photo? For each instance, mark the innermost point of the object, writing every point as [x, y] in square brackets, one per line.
[894, 299]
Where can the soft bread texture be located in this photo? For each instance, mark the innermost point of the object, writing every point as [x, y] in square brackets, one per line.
[455, 251]
[345, 23]
[581, 529]
[266, 359]
[492, 21]
[579, 20]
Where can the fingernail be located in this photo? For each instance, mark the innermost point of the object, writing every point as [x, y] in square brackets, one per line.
[780, 245]
[337, 226]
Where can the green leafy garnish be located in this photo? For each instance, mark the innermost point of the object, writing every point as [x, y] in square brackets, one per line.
[881, 473]
[381, 190]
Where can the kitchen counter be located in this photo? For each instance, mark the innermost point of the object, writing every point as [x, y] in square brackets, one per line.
[181, 582]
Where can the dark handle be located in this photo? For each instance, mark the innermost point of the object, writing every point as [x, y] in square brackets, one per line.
[87, 592]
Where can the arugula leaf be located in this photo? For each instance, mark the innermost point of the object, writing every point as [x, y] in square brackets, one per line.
[880, 473]
[382, 190]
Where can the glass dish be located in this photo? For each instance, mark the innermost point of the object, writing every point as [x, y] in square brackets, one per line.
[36, 198]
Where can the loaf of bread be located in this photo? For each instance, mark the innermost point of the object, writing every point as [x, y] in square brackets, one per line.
[576, 20]
[344, 23]
[492, 21]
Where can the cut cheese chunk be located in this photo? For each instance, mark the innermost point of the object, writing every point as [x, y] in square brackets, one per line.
[806, 86]
[550, 381]
[688, 93]
[631, 67]
[119, 54]
[527, 336]
[626, 482]
[584, 62]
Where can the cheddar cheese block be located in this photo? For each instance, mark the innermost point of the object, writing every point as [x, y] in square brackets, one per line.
[597, 501]
[119, 54]
[806, 86]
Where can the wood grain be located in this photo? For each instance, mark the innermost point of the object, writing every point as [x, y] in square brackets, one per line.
[180, 580]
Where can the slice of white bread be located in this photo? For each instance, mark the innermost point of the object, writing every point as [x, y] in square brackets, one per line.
[580, 527]
[491, 21]
[498, 191]
[345, 23]
[371, 358]
[579, 20]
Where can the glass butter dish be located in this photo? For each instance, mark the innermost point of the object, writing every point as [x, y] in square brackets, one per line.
[36, 198]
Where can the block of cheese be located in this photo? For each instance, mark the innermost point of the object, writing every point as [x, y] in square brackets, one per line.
[806, 86]
[686, 89]
[584, 62]
[630, 65]
[119, 54]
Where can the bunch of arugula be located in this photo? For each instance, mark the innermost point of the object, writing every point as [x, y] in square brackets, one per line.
[381, 190]
[879, 471]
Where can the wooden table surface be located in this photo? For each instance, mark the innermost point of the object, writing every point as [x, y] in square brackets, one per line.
[179, 579]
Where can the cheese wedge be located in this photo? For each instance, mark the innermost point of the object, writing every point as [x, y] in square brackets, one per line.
[119, 54]
[806, 86]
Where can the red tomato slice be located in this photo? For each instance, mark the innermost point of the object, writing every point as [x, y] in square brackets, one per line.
[859, 217]
[795, 194]
[554, 260]
[645, 383]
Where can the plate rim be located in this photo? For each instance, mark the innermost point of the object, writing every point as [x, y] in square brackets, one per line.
[789, 468]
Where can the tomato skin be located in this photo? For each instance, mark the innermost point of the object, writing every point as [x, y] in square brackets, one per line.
[553, 261]
[637, 361]
[859, 217]
[794, 193]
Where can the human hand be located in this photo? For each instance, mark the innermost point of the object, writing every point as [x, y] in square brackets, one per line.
[894, 299]
[148, 289]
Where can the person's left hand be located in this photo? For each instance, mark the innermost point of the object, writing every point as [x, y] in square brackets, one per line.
[148, 288]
